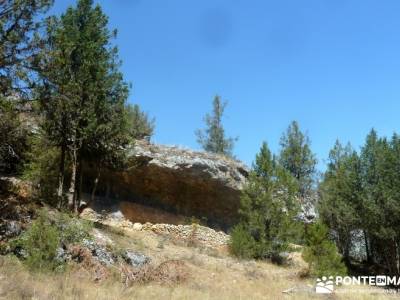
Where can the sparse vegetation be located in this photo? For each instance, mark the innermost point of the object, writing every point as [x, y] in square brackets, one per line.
[221, 277]
[40, 243]
[64, 111]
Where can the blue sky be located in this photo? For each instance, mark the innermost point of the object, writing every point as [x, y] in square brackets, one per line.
[334, 66]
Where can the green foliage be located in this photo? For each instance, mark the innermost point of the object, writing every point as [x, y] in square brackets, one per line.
[321, 254]
[40, 242]
[19, 43]
[212, 138]
[341, 195]
[73, 230]
[13, 138]
[267, 210]
[140, 125]
[242, 243]
[41, 168]
[360, 197]
[48, 233]
[83, 94]
[297, 158]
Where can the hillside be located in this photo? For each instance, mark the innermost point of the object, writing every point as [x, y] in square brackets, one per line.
[172, 262]
[201, 273]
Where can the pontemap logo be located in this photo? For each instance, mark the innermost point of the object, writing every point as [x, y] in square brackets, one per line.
[326, 284]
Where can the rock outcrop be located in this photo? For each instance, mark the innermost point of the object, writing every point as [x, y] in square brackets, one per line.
[181, 181]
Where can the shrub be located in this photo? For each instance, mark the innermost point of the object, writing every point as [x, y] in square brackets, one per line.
[40, 242]
[73, 230]
[242, 244]
[321, 254]
[42, 168]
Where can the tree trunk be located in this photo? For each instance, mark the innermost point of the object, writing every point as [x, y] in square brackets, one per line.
[60, 191]
[95, 183]
[108, 190]
[71, 191]
[78, 187]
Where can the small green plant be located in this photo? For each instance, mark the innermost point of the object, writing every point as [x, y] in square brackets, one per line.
[47, 234]
[40, 242]
[73, 230]
[242, 244]
[321, 254]
[194, 220]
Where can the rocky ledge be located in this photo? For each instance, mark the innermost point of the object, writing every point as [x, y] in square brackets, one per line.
[185, 182]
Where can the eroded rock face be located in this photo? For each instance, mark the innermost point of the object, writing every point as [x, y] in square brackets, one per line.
[186, 182]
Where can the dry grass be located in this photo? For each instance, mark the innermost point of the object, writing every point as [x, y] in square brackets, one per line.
[177, 272]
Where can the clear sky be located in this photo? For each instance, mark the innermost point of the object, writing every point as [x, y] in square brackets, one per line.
[334, 66]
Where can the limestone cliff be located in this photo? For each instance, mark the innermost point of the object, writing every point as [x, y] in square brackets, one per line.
[182, 181]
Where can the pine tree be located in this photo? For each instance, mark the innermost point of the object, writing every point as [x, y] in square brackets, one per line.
[83, 94]
[213, 139]
[297, 158]
[267, 210]
[341, 196]
[321, 254]
[361, 194]
[19, 43]
[141, 126]
[13, 138]
[380, 211]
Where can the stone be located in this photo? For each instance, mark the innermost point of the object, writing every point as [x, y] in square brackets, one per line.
[61, 255]
[99, 252]
[101, 238]
[12, 228]
[137, 226]
[135, 259]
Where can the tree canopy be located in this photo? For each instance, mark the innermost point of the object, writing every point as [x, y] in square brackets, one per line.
[213, 137]
[83, 93]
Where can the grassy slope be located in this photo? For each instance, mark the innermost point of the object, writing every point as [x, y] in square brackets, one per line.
[212, 275]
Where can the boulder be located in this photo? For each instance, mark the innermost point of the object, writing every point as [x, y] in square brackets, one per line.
[100, 252]
[180, 181]
[135, 259]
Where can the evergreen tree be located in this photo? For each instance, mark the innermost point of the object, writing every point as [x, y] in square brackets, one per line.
[321, 254]
[341, 196]
[19, 43]
[381, 212]
[213, 139]
[362, 194]
[267, 210]
[13, 138]
[140, 125]
[296, 157]
[83, 94]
